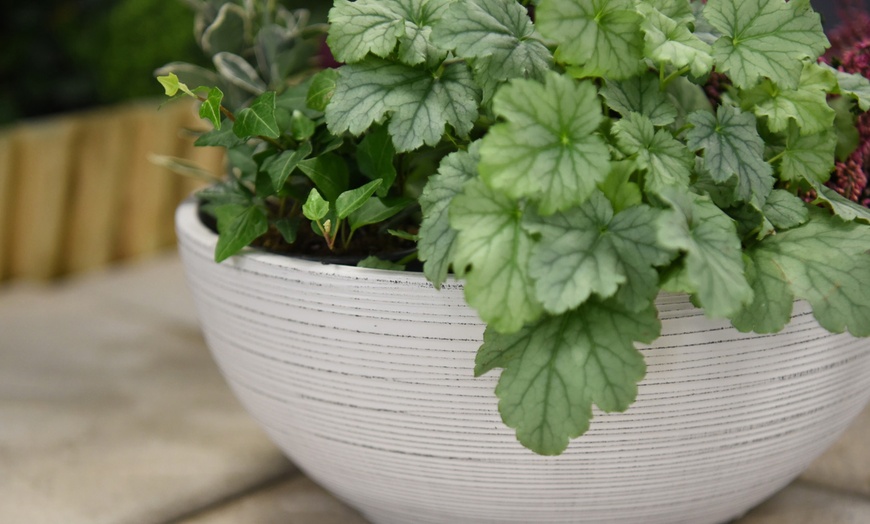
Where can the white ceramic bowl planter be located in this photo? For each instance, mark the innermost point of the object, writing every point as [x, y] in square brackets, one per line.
[364, 378]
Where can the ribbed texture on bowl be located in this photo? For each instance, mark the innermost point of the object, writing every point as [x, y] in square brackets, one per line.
[364, 379]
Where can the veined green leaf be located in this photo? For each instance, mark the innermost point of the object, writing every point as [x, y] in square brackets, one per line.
[328, 172]
[840, 205]
[492, 254]
[171, 85]
[499, 35]
[667, 41]
[588, 250]
[853, 85]
[600, 37]
[713, 258]
[374, 262]
[824, 262]
[785, 210]
[418, 104]
[377, 26]
[557, 368]
[733, 147]
[640, 94]
[807, 105]
[437, 243]
[618, 188]
[280, 166]
[211, 108]
[809, 157]
[376, 210]
[668, 162]
[550, 131]
[238, 226]
[258, 119]
[350, 201]
[765, 38]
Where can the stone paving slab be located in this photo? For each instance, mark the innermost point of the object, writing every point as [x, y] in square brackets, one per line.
[846, 465]
[111, 409]
[803, 503]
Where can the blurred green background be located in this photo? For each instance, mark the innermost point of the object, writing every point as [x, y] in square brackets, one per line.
[62, 55]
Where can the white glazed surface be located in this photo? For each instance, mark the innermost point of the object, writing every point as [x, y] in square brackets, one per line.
[364, 379]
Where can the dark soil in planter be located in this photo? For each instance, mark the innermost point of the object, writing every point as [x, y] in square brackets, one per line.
[367, 241]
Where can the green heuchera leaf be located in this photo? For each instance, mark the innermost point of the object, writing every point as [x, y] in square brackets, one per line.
[258, 119]
[211, 108]
[374, 157]
[557, 368]
[807, 105]
[667, 41]
[640, 94]
[322, 89]
[853, 85]
[824, 262]
[238, 226]
[667, 161]
[784, 210]
[733, 147]
[841, 206]
[492, 253]
[600, 37]
[765, 38]
[713, 261]
[419, 104]
[437, 243]
[588, 250]
[377, 26]
[618, 188]
[550, 132]
[809, 157]
[499, 35]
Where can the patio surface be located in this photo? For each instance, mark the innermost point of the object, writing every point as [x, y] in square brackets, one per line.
[112, 412]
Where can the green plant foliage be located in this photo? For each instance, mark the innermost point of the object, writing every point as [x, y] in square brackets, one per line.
[567, 170]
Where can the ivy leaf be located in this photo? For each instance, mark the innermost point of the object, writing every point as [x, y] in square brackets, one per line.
[373, 262]
[492, 254]
[668, 162]
[853, 85]
[376, 210]
[667, 41]
[172, 85]
[809, 157]
[419, 104]
[640, 94]
[322, 89]
[807, 105]
[374, 157]
[499, 35]
[258, 119]
[377, 26]
[280, 166]
[328, 172]
[350, 201]
[289, 228]
[714, 261]
[824, 262]
[840, 205]
[785, 210]
[315, 207]
[211, 108]
[600, 37]
[557, 368]
[733, 147]
[588, 250]
[550, 132]
[238, 226]
[437, 244]
[765, 38]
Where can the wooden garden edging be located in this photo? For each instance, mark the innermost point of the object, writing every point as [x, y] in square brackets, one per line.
[78, 191]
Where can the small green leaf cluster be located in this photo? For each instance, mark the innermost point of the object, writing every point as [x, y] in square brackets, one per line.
[592, 173]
